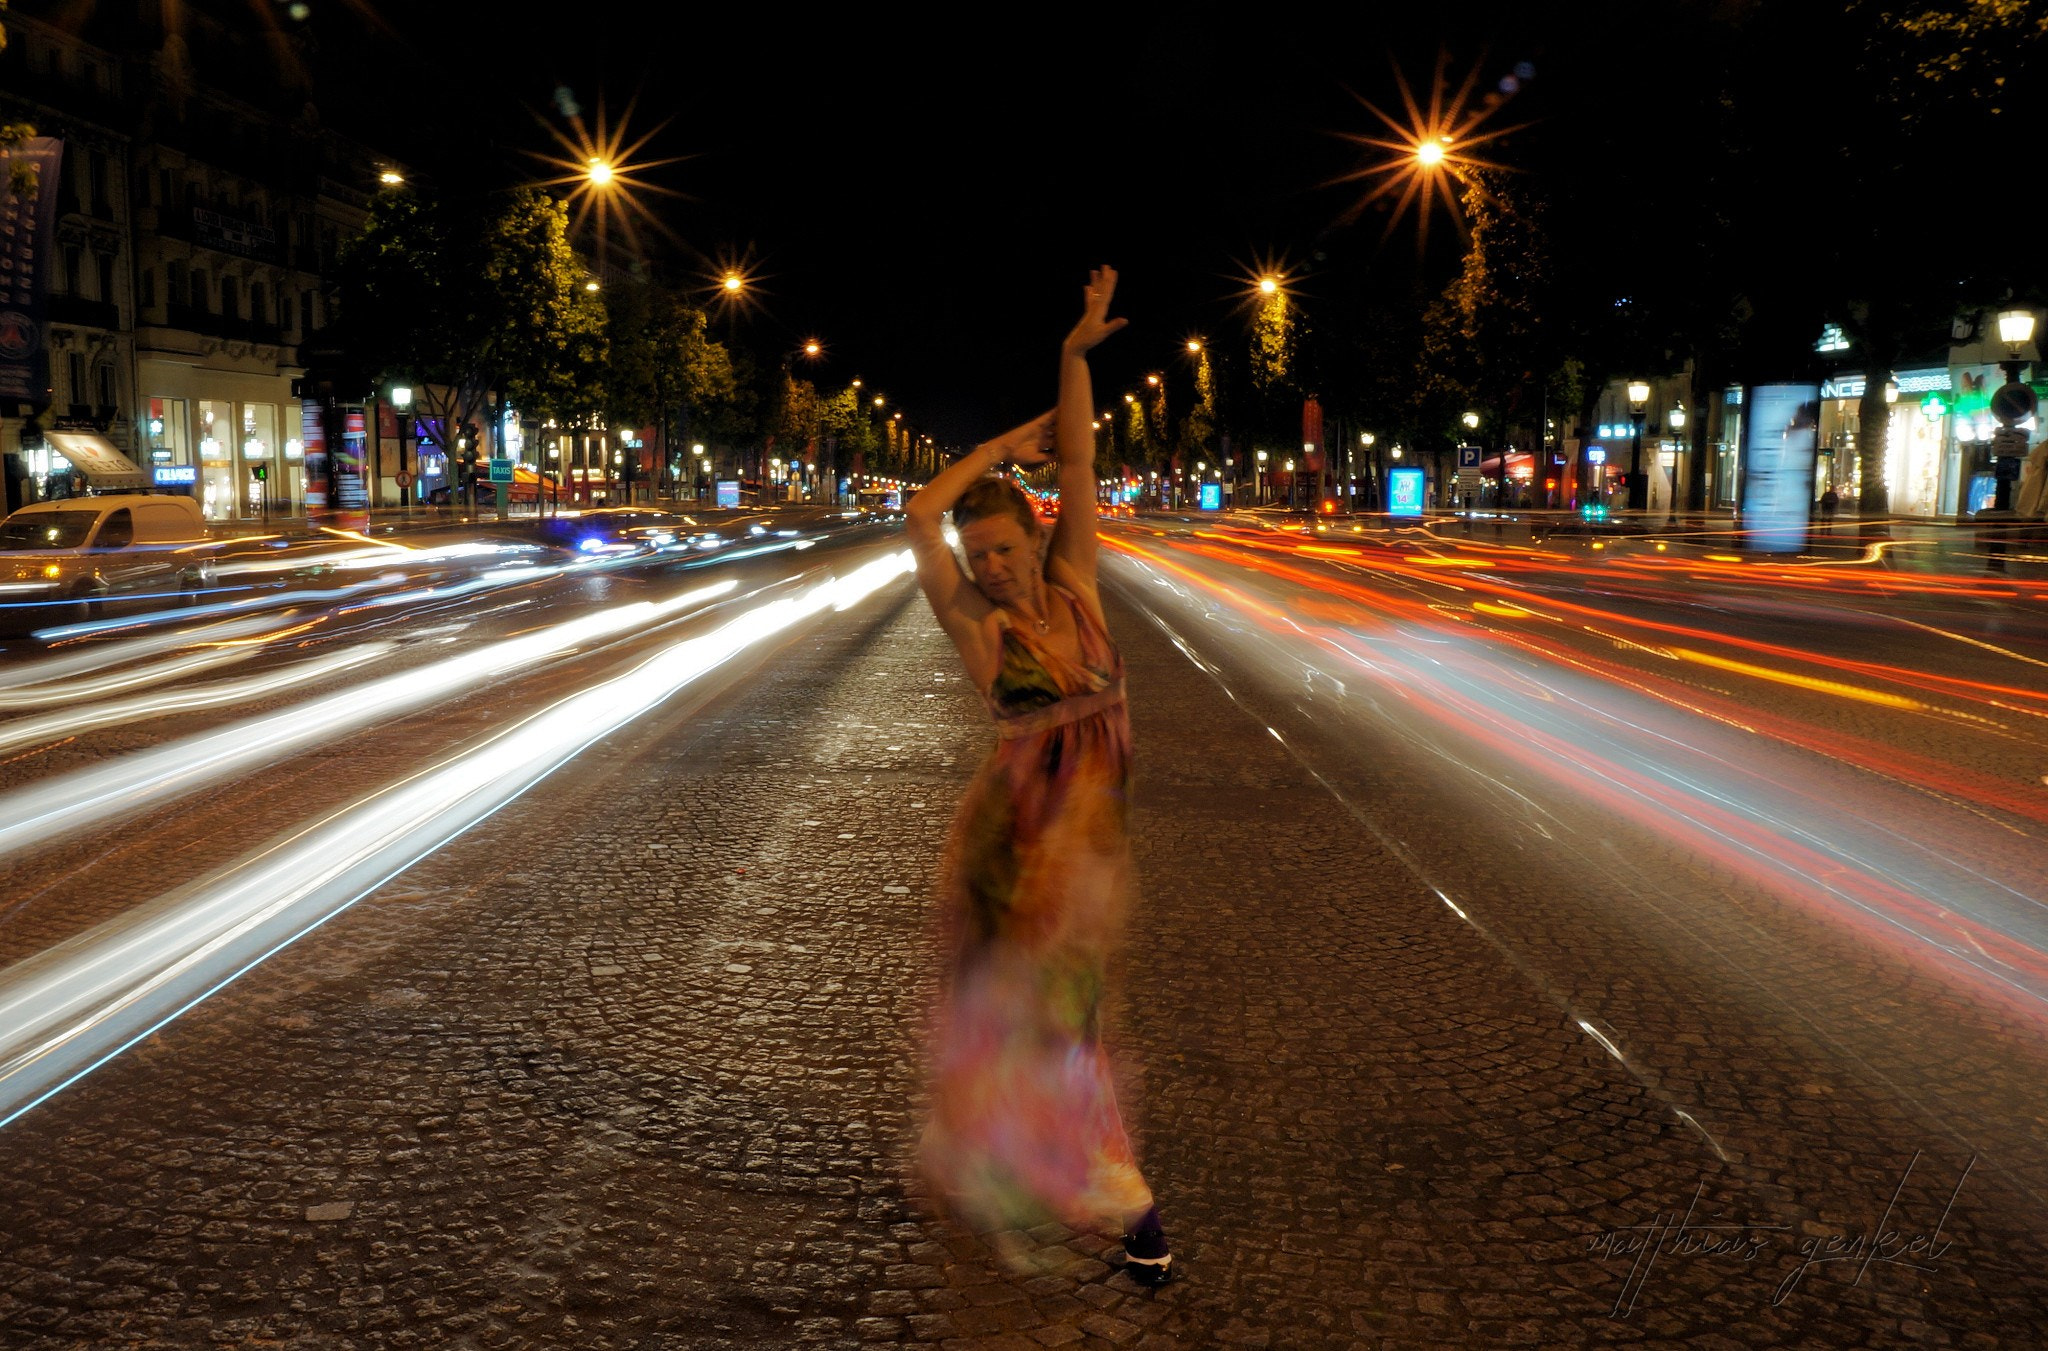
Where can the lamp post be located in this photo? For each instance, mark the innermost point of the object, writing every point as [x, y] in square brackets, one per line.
[401, 404]
[1259, 479]
[1675, 419]
[2013, 404]
[1638, 483]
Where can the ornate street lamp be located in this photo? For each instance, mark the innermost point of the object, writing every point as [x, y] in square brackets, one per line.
[1638, 483]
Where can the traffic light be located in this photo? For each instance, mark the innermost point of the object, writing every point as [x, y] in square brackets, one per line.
[259, 472]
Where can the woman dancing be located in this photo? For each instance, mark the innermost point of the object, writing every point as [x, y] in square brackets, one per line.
[1024, 1123]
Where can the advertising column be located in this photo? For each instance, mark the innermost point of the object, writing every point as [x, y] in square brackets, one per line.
[349, 502]
[1782, 432]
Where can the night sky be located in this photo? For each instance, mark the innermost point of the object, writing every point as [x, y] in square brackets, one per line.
[925, 193]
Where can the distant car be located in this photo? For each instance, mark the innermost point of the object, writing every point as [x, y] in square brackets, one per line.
[79, 556]
[611, 529]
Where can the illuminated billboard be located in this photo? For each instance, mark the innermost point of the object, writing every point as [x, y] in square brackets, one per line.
[1405, 492]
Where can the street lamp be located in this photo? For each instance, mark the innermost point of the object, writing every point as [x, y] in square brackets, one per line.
[599, 173]
[1194, 344]
[1268, 285]
[1638, 484]
[2012, 404]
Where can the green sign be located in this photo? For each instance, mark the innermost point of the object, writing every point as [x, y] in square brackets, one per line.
[501, 470]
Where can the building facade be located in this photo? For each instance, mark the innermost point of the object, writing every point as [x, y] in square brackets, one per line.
[195, 241]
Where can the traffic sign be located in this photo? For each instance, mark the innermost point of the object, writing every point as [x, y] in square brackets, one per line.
[1468, 457]
[2013, 402]
[404, 478]
[501, 470]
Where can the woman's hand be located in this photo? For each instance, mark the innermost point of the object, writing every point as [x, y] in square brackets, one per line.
[1095, 323]
[1027, 447]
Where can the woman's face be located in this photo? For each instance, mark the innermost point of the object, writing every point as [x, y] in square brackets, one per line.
[1001, 557]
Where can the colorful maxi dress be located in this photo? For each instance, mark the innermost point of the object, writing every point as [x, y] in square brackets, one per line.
[1024, 1124]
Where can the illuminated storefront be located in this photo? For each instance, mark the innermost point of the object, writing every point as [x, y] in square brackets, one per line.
[1921, 466]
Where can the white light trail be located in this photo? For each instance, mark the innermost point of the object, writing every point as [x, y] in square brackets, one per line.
[69, 1010]
[40, 811]
[52, 726]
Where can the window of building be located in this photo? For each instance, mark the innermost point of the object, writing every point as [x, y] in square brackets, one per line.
[259, 303]
[106, 261]
[74, 270]
[105, 379]
[230, 299]
[76, 368]
[148, 284]
[288, 313]
[202, 290]
[167, 187]
[312, 311]
[96, 179]
[174, 283]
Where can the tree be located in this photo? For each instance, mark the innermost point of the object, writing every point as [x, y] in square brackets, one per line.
[662, 367]
[471, 297]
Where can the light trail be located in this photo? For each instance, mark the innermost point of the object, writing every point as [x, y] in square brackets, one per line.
[48, 808]
[1477, 673]
[71, 1009]
[53, 726]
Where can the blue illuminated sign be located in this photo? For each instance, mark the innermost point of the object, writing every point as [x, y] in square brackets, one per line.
[728, 492]
[1596, 455]
[1404, 492]
[176, 475]
[1212, 497]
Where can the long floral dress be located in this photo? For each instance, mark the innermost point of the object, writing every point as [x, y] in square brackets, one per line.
[1024, 1124]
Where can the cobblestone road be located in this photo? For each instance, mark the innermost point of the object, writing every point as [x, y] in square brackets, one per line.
[634, 1066]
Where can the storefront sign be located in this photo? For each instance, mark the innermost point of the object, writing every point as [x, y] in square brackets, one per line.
[26, 223]
[176, 475]
[231, 234]
[1778, 459]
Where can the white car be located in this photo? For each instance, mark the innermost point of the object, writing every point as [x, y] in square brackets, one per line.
[83, 555]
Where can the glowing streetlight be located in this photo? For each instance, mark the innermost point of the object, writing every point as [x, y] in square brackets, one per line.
[599, 173]
[733, 282]
[1471, 420]
[590, 286]
[1194, 344]
[391, 178]
[879, 401]
[1430, 153]
[1268, 285]
[812, 348]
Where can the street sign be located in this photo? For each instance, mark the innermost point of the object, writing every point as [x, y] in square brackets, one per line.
[501, 470]
[1404, 492]
[1468, 457]
[404, 478]
[2008, 442]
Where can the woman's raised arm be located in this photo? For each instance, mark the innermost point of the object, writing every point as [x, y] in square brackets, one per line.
[1073, 539]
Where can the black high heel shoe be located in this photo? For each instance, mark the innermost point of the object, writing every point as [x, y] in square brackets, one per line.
[1146, 1256]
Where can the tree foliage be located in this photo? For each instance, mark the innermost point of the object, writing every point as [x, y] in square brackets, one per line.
[466, 298]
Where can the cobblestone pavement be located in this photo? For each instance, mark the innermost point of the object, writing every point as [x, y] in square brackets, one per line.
[634, 1065]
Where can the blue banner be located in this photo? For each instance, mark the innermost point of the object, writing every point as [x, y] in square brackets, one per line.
[27, 227]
